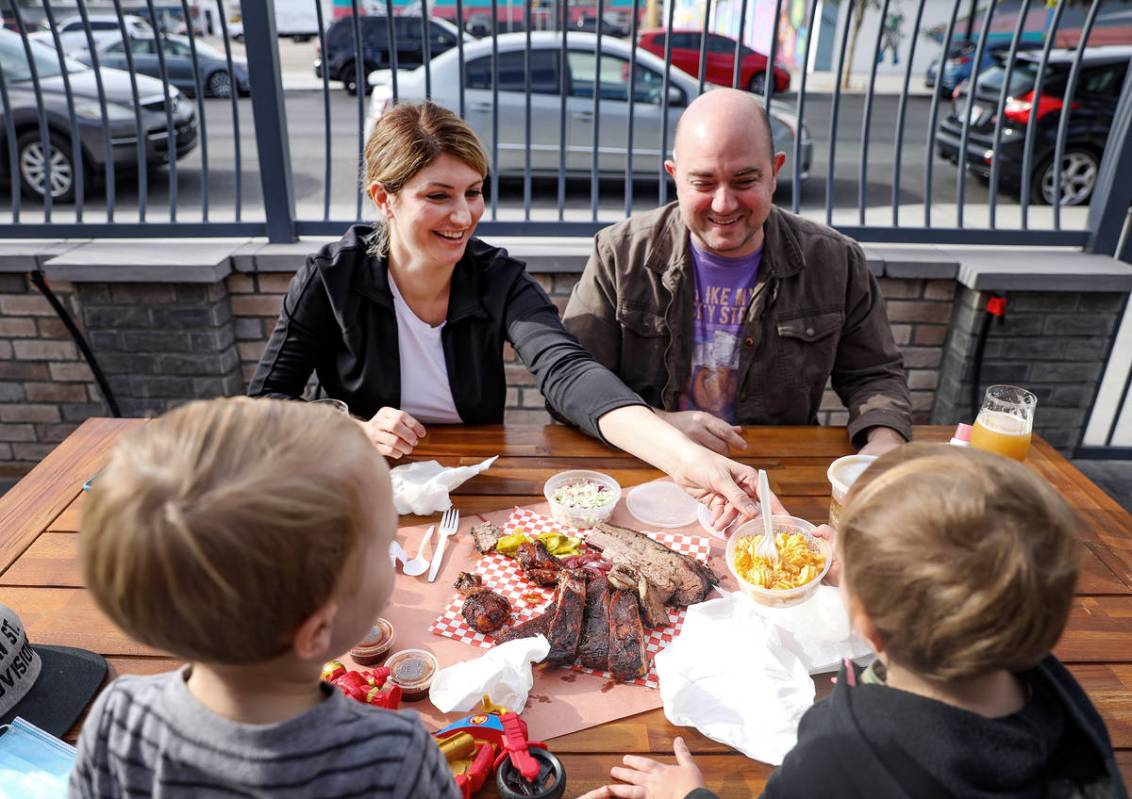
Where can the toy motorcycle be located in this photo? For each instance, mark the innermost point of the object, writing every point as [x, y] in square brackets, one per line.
[495, 739]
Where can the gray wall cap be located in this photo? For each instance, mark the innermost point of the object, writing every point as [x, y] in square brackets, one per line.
[1040, 269]
[211, 260]
[145, 261]
[25, 255]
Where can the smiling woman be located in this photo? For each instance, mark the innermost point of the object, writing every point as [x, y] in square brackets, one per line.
[405, 320]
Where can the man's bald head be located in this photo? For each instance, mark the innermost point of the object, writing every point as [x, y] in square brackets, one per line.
[722, 113]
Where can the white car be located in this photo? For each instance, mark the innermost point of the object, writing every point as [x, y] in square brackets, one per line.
[104, 29]
[544, 64]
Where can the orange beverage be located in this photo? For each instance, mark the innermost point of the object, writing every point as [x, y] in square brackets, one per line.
[1002, 433]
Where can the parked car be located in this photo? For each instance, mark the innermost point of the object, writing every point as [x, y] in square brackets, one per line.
[589, 24]
[211, 64]
[339, 60]
[1103, 72]
[544, 65]
[104, 28]
[121, 125]
[961, 59]
[719, 59]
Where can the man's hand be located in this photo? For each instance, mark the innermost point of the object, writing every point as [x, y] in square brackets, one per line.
[649, 779]
[881, 440]
[726, 487]
[833, 576]
[703, 428]
[394, 432]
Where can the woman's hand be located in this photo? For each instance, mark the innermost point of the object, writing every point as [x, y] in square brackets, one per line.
[703, 428]
[648, 779]
[394, 432]
[726, 487]
[833, 576]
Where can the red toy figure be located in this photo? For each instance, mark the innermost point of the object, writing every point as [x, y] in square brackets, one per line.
[367, 687]
[495, 739]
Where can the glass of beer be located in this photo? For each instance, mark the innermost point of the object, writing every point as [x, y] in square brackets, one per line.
[1005, 422]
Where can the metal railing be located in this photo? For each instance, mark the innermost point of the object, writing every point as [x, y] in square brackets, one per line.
[140, 162]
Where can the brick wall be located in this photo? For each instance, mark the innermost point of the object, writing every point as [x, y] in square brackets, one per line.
[161, 344]
[919, 311]
[46, 388]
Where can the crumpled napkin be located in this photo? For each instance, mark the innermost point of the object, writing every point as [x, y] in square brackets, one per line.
[503, 673]
[422, 488]
[740, 673]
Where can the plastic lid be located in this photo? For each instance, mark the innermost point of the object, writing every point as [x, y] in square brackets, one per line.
[661, 503]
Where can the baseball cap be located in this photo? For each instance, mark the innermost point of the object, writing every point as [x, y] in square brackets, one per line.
[49, 686]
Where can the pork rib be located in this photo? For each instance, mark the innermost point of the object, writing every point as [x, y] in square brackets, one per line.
[539, 625]
[678, 579]
[566, 627]
[593, 651]
[628, 658]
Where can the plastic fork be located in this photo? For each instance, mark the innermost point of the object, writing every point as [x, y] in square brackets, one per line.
[449, 524]
[767, 547]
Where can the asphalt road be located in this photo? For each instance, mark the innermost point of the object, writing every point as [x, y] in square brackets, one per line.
[307, 134]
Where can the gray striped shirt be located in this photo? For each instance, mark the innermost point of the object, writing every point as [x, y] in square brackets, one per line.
[148, 736]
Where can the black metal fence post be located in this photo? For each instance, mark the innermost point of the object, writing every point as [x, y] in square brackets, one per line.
[270, 116]
[1113, 193]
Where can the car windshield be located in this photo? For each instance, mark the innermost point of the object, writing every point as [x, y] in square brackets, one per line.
[14, 61]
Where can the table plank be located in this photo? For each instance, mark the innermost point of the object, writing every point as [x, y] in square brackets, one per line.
[1099, 631]
[30, 505]
[52, 561]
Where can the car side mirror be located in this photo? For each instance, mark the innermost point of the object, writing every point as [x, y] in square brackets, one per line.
[675, 97]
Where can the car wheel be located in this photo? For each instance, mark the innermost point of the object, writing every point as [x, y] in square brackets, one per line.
[33, 164]
[1079, 169]
[757, 84]
[220, 84]
[349, 77]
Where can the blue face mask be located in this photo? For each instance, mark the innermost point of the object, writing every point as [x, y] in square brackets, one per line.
[33, 763]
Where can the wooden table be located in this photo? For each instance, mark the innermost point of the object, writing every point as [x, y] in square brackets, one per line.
[39, 575]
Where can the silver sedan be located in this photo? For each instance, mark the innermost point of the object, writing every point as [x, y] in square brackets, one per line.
[545, 66]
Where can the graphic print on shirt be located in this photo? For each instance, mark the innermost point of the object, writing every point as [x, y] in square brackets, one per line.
[724, 287]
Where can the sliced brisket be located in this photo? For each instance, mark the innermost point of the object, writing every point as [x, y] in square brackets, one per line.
[677, 578]
[486, 535]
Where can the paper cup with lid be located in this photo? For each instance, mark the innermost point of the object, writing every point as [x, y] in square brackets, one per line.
[842, 473]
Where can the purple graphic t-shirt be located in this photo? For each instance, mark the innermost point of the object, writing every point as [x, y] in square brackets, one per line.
[724, 287]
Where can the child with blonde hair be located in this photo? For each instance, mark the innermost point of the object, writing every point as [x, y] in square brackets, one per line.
[958, 567]
[250, 538]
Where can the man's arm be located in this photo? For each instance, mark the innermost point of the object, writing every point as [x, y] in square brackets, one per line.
[591, 314]
[868, 374]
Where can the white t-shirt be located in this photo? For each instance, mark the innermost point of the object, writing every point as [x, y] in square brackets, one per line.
[425, 391]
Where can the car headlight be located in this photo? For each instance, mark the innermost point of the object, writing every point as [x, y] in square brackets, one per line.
[89, 109]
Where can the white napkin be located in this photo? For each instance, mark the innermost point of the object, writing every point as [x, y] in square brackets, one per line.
[503, 673]
[740, 673]
[422, 488]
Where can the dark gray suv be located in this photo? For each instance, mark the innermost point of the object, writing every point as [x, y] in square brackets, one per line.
[121, 124]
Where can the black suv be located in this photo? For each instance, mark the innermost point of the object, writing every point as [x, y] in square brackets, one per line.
[339, 58]
[1103, 70]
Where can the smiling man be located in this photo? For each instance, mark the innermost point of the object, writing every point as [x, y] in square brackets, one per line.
[721, 309]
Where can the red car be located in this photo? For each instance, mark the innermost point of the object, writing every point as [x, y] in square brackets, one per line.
[719, 59]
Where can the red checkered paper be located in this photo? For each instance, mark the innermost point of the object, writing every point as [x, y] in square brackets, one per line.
[504, 576]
